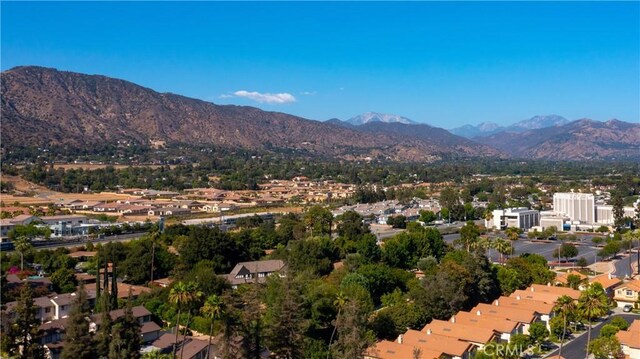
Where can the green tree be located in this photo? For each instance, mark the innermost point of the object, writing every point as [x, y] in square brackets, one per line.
[502, 246]
[318, 220]
[582, 262]
[78, 343]
[339, 303]
[618, 210]
[427, 216]
[605, 348]
[182, 295]
[608, 330]
[64, 280]
[285, 325]
[103, 334]
[449, 197]
[398, 221]
[23, 335]
[574, 281]
[538, 332]
[22, 244]
[593, 303]
[214, 309]
[469, 234]
[353, 335]
[620, 323]
[566, 251]
[566, 308]
[125, 335]
[513, 234]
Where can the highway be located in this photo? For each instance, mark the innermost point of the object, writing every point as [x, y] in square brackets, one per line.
[52, 244]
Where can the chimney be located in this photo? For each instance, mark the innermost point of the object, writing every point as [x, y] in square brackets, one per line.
[478, 312]
[429, 331]
[533, 289]
[453, 319]
[400, 339]
[610, 275]
[518, 297]
[496, 302]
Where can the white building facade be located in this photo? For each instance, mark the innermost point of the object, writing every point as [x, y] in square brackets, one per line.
[577, 206]
[522, 218]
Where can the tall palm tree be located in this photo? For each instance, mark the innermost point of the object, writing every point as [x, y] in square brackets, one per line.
[213, 308]
[182, 294]
[565, 306]
[22, 245]
[593, 303]
[513, 234]
[502, 246]
[153, 236]
[339, 302]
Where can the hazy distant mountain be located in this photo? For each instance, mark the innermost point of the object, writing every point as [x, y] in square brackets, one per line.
[578, 140]
[483, 129]
[46, 107]
[378, 117]
[489, 128]
[537, 122]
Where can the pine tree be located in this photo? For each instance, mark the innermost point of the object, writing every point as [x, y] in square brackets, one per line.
[114, 287]
[285, 325]
[125, 336]
[22, 336]
[78, 343]
[353, 335]
[103, 336]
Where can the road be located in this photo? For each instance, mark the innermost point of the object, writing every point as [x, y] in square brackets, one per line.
[68, 244]
[622, 265]
[577, 349]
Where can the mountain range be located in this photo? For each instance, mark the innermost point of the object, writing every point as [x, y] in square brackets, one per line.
[489, 128]
[42, 107]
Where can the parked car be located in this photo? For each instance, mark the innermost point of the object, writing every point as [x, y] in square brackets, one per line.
[627, 308]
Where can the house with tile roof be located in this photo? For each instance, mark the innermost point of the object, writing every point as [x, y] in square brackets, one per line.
[627, 293]
[630, 340]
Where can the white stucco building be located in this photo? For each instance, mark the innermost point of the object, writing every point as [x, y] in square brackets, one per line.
[522, 218]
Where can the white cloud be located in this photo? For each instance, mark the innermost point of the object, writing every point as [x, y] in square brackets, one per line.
[266, 97]
[308, 93]
[225, 95]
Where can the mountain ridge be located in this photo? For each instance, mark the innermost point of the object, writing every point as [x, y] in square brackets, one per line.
[44, 106]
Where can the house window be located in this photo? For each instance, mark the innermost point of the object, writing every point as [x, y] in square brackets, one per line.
[629, 293]
[47, 309]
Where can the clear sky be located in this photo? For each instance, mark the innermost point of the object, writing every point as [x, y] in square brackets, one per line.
[446, 64]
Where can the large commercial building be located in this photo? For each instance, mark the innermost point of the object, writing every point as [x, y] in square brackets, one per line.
[522, 218]
[577, 206]
[582, 207]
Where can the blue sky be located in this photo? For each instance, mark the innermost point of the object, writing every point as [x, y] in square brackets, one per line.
[446, 64]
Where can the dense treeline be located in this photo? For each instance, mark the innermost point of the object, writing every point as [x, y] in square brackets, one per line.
[242, 169]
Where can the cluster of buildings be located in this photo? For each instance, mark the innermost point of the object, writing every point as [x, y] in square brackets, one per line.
[465, 333]
[379, 212]
[571, 211]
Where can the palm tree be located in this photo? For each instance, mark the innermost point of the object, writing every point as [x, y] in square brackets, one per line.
[214, 309]
[513, 234]
[593, 303]
[565, 306]
[22, 245]
[488, 216]
[340, 301]
[182, 294]
[502, 246]
[153, 236]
